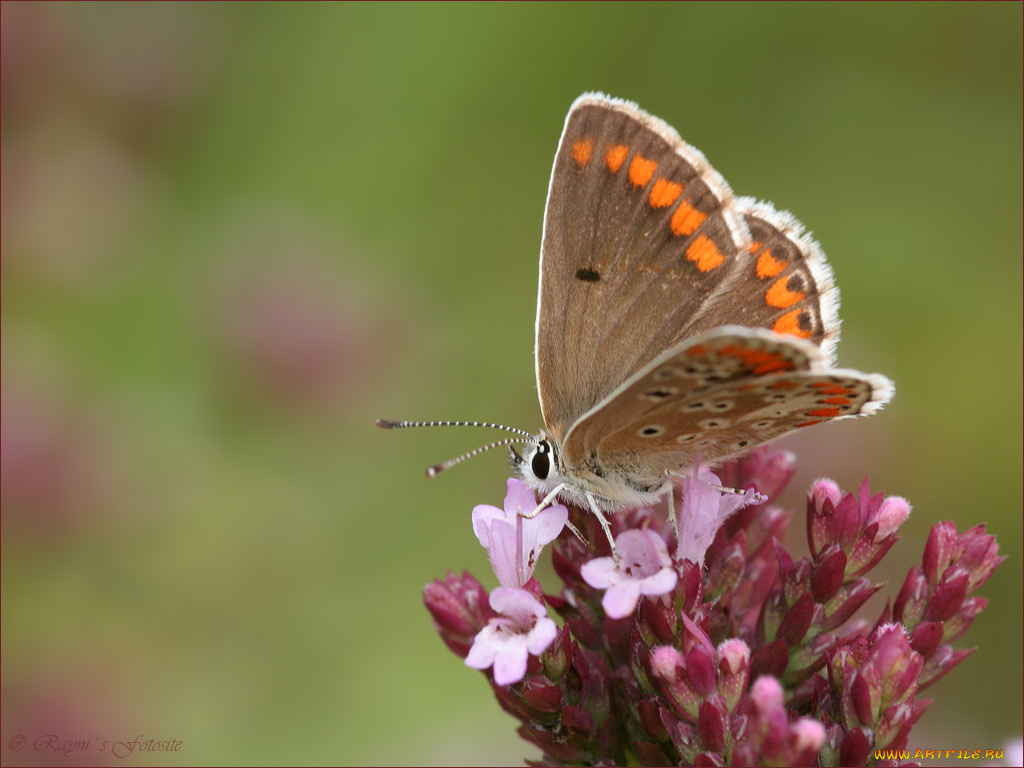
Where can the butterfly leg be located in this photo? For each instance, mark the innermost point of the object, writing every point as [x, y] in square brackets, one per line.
[544, 502]
[672, 506]
[604, 524]
[547, 500]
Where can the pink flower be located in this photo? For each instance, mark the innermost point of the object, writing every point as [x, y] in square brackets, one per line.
[514, 542]
[523, 628]
[644, 568]
[703, 511]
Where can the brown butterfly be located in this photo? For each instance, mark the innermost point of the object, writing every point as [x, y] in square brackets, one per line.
[674, 321]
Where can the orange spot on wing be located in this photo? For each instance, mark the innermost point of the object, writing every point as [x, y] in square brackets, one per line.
[825, 412]
[790, 323]
[772, 366]
[836, 400]
[808, 423]
[780, 296]
[664, 193]
[769, 266]
[705, 254]
[756, 246]
[615, 157]
[761, 361]
[828, 388]
[686, 219]
[641, 170]
[697, 349]
[582, 149]
[735, 350]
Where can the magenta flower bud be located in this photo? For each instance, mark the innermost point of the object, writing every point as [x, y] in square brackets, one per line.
[979, 554]
[948, 595]
[912, 600]
[943, 660]
[766, 694]
[829, 752]
[651, 753]
[864, 697]
[829, 573]
[460, 609]
[652, 718]
[708, 760]
[700, 668]
[556, 658]
[661, 618]
[685, 740]
[797, 580]
[894, 726]
[579, 724]
[668, 667]
[938, 550]
[554, 744]
[926, 637]
[733, 671]
[726, 570]
[960, 623]
[847, 520]
[823, 490]
[542, 694]
[888, 675]
[770, 659]
[890, 516]
[806, 737]
[810, 656]
[851, 597]
[690, 589]
[855, 747]
[797, 621]
[711, 723]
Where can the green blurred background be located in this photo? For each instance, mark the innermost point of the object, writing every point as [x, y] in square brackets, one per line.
[235, 234]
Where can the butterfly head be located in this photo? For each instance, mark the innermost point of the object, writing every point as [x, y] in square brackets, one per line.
[539, 465]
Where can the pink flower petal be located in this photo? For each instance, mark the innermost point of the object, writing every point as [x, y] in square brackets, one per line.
[620, 600]
[704, 510]
[518, 604]
[661, 583]
[601, 573]
[541, 636]
[510, 663]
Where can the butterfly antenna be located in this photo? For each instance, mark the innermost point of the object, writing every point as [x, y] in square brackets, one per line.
[386, 424]
[434, 471]
[437, 469]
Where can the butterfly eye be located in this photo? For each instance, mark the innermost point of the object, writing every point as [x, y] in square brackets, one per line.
[540, 463]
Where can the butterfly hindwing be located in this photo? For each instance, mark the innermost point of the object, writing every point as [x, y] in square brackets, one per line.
[716, 396]
[639, 231]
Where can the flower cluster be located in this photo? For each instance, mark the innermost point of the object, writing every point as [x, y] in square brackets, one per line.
[728, 651]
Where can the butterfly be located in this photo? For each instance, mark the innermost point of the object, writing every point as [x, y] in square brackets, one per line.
[675, 322]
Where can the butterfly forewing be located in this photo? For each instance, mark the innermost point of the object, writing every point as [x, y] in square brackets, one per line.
[639, 231]
[783, 282]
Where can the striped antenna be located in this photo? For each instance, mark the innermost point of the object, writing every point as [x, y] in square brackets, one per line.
[434, 471]
[386, 424]
[437, 469]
